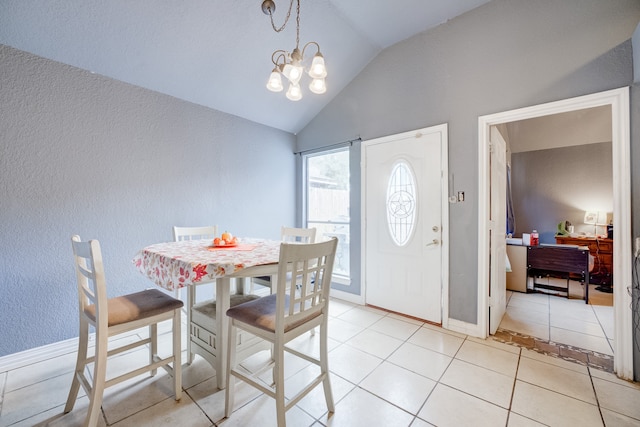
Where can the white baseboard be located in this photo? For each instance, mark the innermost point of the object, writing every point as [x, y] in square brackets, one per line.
[49, 351]
[345, 296]
[38, 354]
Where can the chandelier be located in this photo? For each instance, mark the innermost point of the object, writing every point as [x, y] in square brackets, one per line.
[290, 64]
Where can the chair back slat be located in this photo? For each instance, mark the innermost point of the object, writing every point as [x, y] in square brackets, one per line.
[194, 233]
[298, 235]
[87, 286]
[310, 267]
[92, 288]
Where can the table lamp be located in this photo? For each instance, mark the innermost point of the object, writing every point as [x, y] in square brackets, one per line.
[595, 218]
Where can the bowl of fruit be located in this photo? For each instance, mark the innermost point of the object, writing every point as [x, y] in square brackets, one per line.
[226, 239]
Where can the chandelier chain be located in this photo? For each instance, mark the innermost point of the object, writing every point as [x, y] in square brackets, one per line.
[286, 19]
[297, 24]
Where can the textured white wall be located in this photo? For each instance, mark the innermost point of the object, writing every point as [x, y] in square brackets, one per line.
[81, 153]
[504, 55]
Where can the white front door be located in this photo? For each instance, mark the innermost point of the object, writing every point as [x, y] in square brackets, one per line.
[403, 227]
[497, 230]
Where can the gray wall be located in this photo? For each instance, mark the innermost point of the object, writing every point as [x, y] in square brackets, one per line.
[549, 186]
[81, 153]
[506, 54]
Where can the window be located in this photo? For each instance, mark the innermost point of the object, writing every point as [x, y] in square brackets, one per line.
[401, 203]
[327, 203]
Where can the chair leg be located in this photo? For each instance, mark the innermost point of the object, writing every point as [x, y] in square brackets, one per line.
[279, 380]
[81, 362]
[177, 354]
[99, 379]
[231, 364]
[324, 367]
[153, 348]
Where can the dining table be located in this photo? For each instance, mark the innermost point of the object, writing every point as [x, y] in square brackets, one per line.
[188, 263]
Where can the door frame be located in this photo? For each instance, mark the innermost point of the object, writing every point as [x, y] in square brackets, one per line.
[618, 99]
[444, 203]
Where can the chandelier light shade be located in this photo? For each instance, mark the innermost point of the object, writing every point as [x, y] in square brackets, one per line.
[293, 73]
[290, 64]
[294, 93]
[275, 81]
[318, 70]
[318, 86]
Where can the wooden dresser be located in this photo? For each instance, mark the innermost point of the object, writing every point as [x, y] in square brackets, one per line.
[602, 251]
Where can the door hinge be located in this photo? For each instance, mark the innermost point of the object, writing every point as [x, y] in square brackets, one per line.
[491, 303]
[491, 147]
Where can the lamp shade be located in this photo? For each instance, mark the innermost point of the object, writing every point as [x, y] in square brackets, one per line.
[293, 73]
[595, 218]
[275, 82]
[294, 93]
[318, 70]
[318, 86]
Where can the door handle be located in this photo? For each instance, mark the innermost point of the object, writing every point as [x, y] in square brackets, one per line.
[433, 242]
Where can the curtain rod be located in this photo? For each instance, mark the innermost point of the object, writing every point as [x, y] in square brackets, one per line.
[329, 147]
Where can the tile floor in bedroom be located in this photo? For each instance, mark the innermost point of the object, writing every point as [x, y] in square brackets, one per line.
[551, 319]
[387, 370]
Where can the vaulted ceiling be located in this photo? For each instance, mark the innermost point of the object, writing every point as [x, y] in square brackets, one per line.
[218, 53]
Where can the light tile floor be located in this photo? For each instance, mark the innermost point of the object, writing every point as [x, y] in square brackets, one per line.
[386, 370]
[556, 321]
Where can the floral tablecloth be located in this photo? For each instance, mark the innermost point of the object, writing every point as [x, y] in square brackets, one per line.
[174, 265]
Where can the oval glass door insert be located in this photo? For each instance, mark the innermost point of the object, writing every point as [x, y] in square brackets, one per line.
[401, 203]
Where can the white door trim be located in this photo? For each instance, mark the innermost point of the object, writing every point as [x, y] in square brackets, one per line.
[444, 189]
[618, 99]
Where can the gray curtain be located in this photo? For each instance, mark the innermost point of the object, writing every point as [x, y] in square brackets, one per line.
[511, 220]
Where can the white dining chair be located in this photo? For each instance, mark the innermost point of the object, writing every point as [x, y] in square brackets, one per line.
[193, 233]
[114, 316]
[280, 317]
[290, 235]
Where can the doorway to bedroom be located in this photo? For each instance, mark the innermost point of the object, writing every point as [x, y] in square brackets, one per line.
[617, 101]
[559, 166]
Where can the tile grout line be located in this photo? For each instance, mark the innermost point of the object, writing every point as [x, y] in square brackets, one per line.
[595, 395]
[513, 388]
